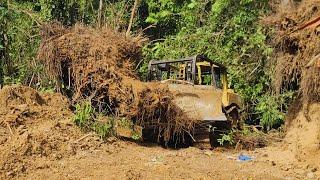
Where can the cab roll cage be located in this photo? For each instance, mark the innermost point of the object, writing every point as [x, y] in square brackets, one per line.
[192, 60]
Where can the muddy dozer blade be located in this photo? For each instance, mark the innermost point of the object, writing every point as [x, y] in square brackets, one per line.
[204, 105]
[199, 102]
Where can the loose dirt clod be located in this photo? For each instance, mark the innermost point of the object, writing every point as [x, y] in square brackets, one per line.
[98, 65]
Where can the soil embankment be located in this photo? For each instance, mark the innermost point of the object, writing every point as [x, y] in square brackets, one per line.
[296, 54]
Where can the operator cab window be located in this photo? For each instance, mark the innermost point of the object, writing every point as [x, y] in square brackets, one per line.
[206, 75]
[217, 77]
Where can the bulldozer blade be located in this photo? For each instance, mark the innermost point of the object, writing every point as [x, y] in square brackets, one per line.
[199, 102]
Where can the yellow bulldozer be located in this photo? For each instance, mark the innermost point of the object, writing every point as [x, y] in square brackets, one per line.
[201, 91]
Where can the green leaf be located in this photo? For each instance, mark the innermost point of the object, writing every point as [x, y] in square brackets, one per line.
[164, 14]
[151, 19]
[192, 5]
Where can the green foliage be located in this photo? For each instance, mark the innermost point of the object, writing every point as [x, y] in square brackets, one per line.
[163, 11]
[128, 125]
[227, 139]
[207, 80]
[89, 120]
[117, 15]
[84, 115]
[218, 8]
[103, 130]
[22, 33]
[170, 16]
[125, 123]
[271, 109]
[136, 136]
[247, 137]
[72, 11]
[3, 32]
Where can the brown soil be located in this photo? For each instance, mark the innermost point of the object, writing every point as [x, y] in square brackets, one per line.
[303, 136]
[126, 160]
[39, 141]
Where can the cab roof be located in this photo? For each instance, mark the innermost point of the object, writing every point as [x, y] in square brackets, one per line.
[196, 58]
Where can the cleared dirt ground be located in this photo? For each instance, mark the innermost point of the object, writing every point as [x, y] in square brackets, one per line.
[127, 160]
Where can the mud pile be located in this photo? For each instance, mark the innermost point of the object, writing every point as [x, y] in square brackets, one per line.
[97, 65]
[19, 105]
[297, 49]
[304, 136]
[35, 125]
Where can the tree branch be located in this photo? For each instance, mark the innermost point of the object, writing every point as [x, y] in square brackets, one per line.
[135, 5]
[100, 14]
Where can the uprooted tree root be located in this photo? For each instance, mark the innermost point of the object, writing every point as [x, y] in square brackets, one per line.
[98, 65]
[256, 139]
[296, 44]
[297, 54]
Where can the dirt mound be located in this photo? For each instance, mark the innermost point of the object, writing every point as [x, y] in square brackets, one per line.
[19, 103]
[297, 49]
[304, 136]
[35, 125]
[98, 65]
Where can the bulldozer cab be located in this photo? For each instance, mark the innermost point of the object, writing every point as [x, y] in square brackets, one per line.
[197, 70]
[200, 89]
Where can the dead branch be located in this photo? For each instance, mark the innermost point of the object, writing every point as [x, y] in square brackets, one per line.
[84, 137]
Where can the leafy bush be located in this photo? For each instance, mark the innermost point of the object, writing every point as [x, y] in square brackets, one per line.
[87, 119]
[227, 138]
[247, 138]
[272, 109]
[84, 115]
[104, 130]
